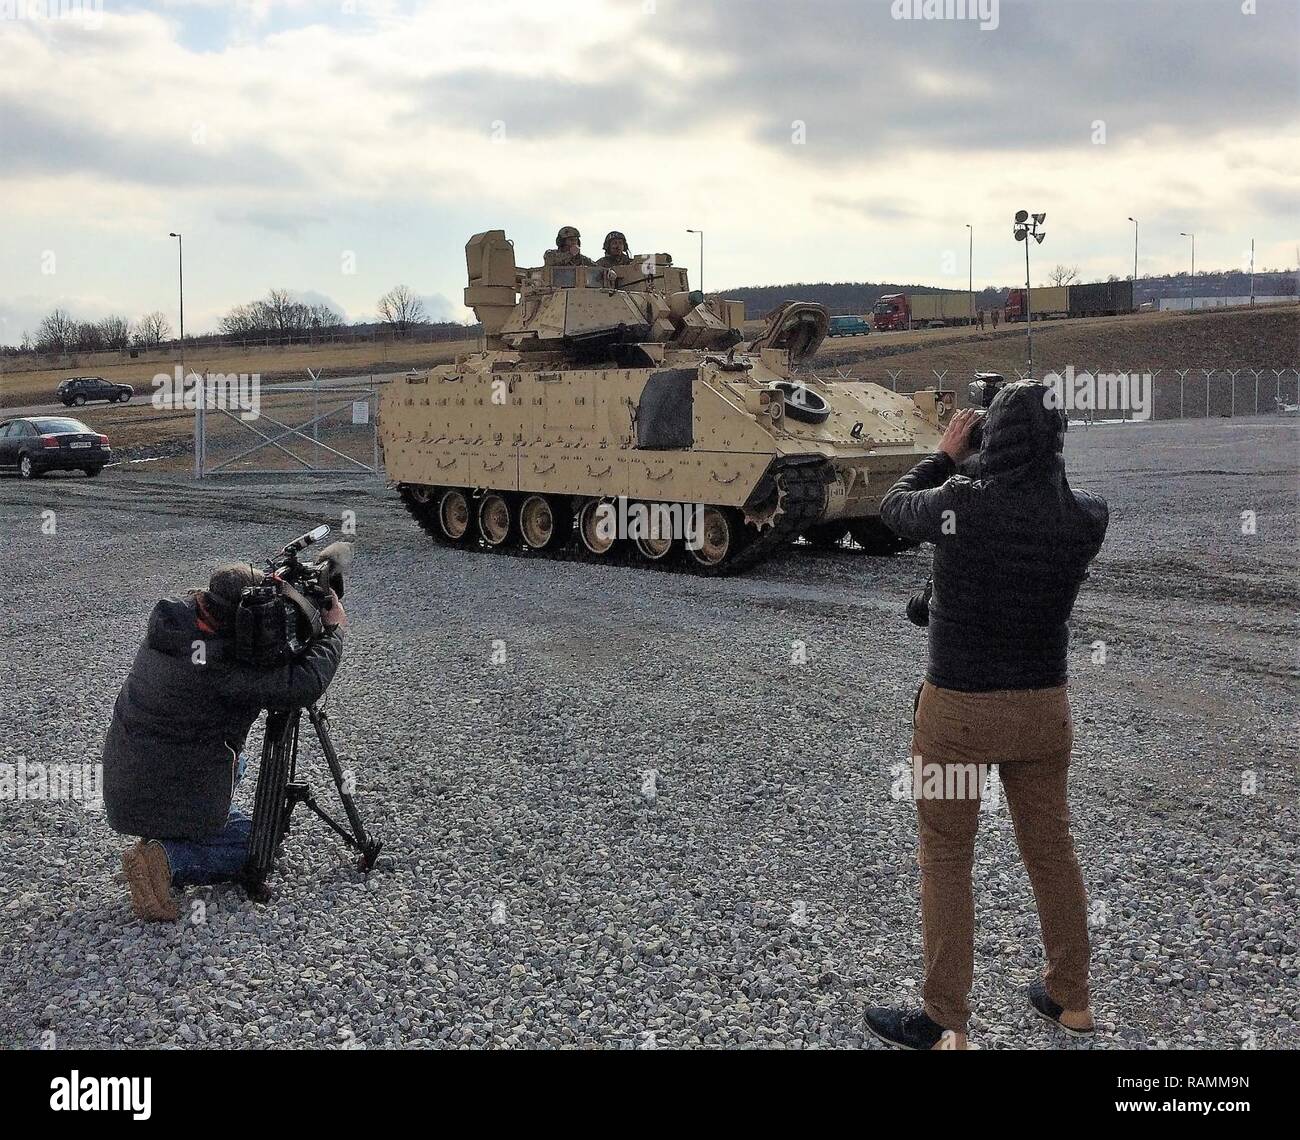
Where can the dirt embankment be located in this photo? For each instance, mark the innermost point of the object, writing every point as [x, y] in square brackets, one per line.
[1265, 338]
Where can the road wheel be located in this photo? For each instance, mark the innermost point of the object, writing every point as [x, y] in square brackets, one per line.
[544, 522]
[718, 539]
[93, 471]
[826, 536]
[876, 538]
[122, 399]
[657, 547]
[26, 468]
[455, 519]
[599, 534]
[79, 400]
[495, 521]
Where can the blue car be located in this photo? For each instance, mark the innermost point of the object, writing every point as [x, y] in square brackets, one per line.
[848, 326]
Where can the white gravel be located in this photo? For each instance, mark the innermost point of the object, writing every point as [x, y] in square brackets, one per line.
[647, 827]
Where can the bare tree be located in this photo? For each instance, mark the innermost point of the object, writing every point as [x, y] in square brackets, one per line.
[89, 337]
[323, 318]
[401, 308]
[242, 320]
[152, 329]
[278, 313]
[283, 312]
[57, 332]
[115, 332]
[1064, 275]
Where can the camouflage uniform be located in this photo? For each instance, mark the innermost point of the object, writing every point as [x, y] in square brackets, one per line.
[612, 259]
[559, 256]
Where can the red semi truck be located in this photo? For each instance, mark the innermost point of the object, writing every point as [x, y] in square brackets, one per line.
[922, 310]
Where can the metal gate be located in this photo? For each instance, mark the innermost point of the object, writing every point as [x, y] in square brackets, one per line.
[315, 429]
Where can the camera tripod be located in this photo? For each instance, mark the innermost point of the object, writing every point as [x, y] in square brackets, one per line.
[279, 792]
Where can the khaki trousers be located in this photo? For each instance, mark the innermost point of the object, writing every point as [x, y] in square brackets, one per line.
[1027, 733]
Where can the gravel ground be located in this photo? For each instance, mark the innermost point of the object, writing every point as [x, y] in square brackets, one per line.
[646, 826]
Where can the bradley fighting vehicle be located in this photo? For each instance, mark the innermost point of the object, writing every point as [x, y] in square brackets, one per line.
[608, 397]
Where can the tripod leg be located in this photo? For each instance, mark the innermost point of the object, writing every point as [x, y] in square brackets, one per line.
[271, 806]
[368, 847]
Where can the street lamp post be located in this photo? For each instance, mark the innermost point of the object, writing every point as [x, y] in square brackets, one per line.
[1135, 259]
[180, 267]
[198, 404]
[1193, 237]
[970, 270]
[701, 236]
[1024, 229]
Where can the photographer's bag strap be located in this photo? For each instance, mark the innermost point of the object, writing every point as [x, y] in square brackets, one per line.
[309, 612]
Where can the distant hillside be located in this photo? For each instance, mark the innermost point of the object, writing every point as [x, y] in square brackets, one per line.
[848, 297]
[840, 298]
[1233, 284]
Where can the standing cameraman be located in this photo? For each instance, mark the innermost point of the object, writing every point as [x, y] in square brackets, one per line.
[1011, 552]
[174, 751]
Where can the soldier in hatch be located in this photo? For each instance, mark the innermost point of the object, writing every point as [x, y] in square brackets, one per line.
[568, 249]
[615, 251]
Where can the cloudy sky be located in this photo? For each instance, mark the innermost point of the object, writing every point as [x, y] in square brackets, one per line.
[339, 147]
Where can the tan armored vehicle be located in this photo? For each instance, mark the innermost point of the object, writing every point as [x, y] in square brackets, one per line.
[613, 413]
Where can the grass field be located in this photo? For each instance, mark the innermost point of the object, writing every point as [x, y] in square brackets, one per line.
[23, 386]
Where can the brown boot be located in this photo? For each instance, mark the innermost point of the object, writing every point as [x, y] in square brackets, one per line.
[150, 879]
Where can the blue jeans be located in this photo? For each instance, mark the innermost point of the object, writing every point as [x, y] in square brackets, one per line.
[217, 859]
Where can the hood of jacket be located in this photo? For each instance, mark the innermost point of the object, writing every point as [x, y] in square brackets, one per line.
[174, 628]
[1023, 438]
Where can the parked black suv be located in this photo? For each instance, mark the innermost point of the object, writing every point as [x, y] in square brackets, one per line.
[78, 389]
[36, 444]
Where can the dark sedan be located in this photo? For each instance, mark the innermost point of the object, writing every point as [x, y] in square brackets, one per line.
[36, 444]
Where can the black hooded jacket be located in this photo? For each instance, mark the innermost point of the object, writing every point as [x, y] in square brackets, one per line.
[1011, 549]
[178, 725]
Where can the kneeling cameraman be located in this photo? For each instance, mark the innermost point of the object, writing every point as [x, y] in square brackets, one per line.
[174, 750]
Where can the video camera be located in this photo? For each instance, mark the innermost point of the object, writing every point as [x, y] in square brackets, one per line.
[982, 389]
[274, 622]
[279, 618]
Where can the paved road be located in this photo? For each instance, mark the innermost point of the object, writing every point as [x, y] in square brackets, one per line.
[142, 392]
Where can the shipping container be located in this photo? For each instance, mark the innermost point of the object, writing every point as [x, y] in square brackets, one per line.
[1102, 299]
[1045, 302]
[949, 307]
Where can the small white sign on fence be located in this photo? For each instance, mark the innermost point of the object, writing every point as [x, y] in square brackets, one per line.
[360, 411]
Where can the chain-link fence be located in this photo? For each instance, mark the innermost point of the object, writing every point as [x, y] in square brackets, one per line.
[1174, 393]
[288, 429]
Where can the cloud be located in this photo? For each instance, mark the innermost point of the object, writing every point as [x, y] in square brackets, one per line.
[290, 223]
[37, 141]
[282, 139]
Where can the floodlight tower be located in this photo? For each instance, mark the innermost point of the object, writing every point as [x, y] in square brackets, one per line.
[1024, 229]
[700, 286]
